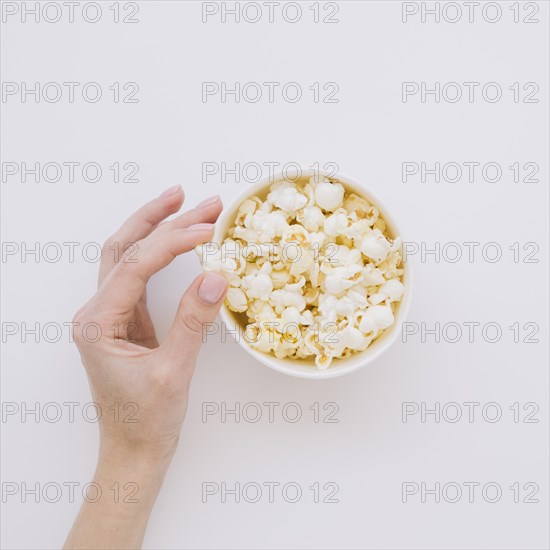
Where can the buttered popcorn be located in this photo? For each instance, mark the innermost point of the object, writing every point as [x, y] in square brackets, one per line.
[312, 271]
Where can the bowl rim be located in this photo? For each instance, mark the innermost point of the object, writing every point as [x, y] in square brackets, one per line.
[359, 360]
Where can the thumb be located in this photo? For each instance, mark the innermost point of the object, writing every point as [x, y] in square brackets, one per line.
[198, 307]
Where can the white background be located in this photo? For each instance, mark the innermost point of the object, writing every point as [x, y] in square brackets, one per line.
[370, 452]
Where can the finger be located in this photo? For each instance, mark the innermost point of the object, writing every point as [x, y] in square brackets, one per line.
[126, 282]
[207, 211]
[198, 307]
[140, 224]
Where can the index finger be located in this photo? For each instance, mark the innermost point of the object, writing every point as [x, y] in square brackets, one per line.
[138, 226]
[126, 282]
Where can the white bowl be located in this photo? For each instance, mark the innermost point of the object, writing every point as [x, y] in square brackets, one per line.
[305, 368]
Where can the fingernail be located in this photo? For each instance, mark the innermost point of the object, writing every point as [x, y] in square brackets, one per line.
[209, 201]
[170, 191]
[212, 288]
[201, 226]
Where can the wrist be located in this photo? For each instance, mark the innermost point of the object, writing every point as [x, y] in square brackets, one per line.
[131, 476]
[127, 481]
[114, 453]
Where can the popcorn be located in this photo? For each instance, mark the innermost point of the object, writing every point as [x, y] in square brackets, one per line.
[356, 229]
[333, 308]
[311, 217]
[390, 291]
[302, 262]
[334, 225]
[372, 276]
[280, 299]
[269, 224]
[342, 256]
[280, 277]
[339, 279]
[354, 203]
[380, 317]
[248, 207]
[259, 285]
[374, 245]
[295, 234]
[323, 361]
[237, 300]
[312, 268]
[245, 234]
[311, 295]
[296, 285]
[262, 311]
[313, 273]
[350, 338]
[262, 336]
[291, 315]
[226, 259]
[329, 196]
[286, 197]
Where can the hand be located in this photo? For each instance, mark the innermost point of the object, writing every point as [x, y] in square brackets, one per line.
[128, 369]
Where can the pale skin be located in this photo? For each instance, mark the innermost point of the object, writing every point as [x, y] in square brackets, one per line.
[135, 368]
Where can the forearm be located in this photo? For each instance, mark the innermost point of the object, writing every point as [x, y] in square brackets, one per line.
[129, 483]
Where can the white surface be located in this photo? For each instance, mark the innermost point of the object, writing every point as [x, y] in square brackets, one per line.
[370, 452]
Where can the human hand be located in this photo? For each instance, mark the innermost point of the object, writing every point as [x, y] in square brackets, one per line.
[127, 365]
